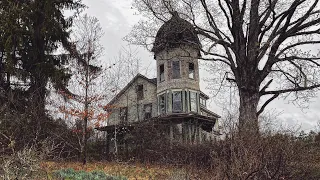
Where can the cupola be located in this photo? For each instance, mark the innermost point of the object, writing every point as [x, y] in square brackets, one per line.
[174, 33]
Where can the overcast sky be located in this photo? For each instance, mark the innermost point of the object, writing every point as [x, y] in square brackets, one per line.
[117, 18]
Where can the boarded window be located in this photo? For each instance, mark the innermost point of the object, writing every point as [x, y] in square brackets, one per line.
[147, 111]
[175, 69]
[193, 101]
[162, 104]
[140, 92]
[191, 70]
[123, 114]
[161, 75]
[176, 101]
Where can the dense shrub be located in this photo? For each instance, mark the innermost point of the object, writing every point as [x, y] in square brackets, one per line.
[265, 156]
[82, 175]
[24, 164]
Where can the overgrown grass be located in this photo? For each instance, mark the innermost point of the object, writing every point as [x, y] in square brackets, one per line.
[83, 175]
[130, 171]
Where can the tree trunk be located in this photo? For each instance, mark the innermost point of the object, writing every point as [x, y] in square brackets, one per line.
[86, 112]
[248, 118]
[84, 141]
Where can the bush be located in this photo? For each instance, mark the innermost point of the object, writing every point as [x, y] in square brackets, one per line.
[23, 164]
[264, 156]
[79, 175]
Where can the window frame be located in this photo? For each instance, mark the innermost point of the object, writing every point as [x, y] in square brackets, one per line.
[165, 103]
[140, 92]
[161, 73]
[175, 71]
[195, 101]
[203, 102]
[123, 118]
[147, 115]
[191, 72]
[181, 101]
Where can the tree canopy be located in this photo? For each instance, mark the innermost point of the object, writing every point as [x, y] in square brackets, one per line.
[31, 32]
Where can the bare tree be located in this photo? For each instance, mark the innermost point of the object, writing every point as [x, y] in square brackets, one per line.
[267, 46]
[84, 96]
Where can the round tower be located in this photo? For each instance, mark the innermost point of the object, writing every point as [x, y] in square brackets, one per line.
[176, 50]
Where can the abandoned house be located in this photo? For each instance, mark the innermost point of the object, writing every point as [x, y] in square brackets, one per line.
[172, 98]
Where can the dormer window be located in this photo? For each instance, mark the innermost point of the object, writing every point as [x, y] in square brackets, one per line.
[161, 75]
[175, 69]
[191, 70]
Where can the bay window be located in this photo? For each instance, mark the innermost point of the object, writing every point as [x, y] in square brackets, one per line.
[176, 101]
[193, 101]
[162, 103]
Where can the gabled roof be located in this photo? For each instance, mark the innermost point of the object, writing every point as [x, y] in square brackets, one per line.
[153, 81]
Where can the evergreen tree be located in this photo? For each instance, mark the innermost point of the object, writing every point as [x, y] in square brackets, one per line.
[31, 32]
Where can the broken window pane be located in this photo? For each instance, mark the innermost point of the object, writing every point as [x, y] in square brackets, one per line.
[191, 70]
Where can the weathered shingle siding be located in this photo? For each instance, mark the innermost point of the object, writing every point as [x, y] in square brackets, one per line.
[135, 107]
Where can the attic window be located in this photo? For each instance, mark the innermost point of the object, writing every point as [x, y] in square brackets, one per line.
[140, 92]
[161, 72]
[191, 70]
[175, 69]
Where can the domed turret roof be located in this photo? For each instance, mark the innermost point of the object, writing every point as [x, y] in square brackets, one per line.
[175, 32]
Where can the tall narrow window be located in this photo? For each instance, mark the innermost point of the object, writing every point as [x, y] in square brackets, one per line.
[176, 101]
[147, 111]
[191, 70]
[161, 75]
[162, 104]
[140, 92]
[123, 114]
[175, 69]
[193, 101]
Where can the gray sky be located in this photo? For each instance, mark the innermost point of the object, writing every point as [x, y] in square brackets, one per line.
[117, 18]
